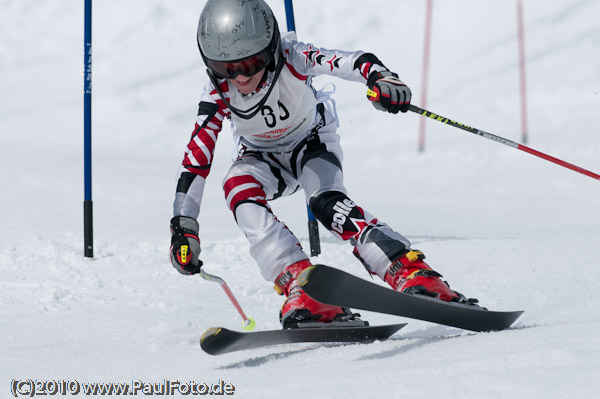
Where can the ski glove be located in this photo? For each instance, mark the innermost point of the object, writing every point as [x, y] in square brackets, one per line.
[185, 245]
[390, 94]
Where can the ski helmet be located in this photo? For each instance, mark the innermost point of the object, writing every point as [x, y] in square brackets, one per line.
[238, 37]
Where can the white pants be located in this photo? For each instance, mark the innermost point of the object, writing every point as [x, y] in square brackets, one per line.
[314, 166]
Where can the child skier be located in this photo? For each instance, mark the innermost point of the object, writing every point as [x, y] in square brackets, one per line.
[288, 141]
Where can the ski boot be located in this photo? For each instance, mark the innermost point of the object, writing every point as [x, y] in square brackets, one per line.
[411, 275]
[300, 308]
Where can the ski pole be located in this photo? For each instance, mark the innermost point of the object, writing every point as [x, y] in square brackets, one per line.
[502, 140]
[249, 322]
[373, 96]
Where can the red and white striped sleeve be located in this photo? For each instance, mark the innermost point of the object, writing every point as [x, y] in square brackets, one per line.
[211, 112]
[200, 150]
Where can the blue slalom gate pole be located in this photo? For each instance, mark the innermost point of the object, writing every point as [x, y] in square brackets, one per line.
[289, 14]
[313, 225]
[88, 231]
[313, 234]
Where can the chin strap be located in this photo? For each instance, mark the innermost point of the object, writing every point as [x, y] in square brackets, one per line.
[252, 111]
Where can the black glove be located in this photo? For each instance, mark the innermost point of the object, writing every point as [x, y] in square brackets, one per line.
[185, 245]
[392, 94]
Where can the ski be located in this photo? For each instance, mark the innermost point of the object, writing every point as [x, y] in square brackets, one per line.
[219, 340]
[336, 287]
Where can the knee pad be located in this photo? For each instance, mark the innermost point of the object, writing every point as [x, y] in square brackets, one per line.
[339, 214]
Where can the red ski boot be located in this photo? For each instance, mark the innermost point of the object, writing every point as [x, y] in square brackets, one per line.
[298, 306]
[410, 274]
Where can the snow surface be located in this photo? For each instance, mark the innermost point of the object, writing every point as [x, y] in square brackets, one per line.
[511, 229]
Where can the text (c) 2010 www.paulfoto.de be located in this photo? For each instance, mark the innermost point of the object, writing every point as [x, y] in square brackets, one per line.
[31, 388]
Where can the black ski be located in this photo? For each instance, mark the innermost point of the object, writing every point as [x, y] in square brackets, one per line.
[337, 287]
[219, 340]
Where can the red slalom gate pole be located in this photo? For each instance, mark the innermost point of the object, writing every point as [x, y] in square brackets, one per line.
[425, 71]
[523, 86]
[495, 138]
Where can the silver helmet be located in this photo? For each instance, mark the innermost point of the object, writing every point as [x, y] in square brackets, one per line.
[238, 37]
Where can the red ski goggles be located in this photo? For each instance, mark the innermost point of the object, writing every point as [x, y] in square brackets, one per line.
[246, 66]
